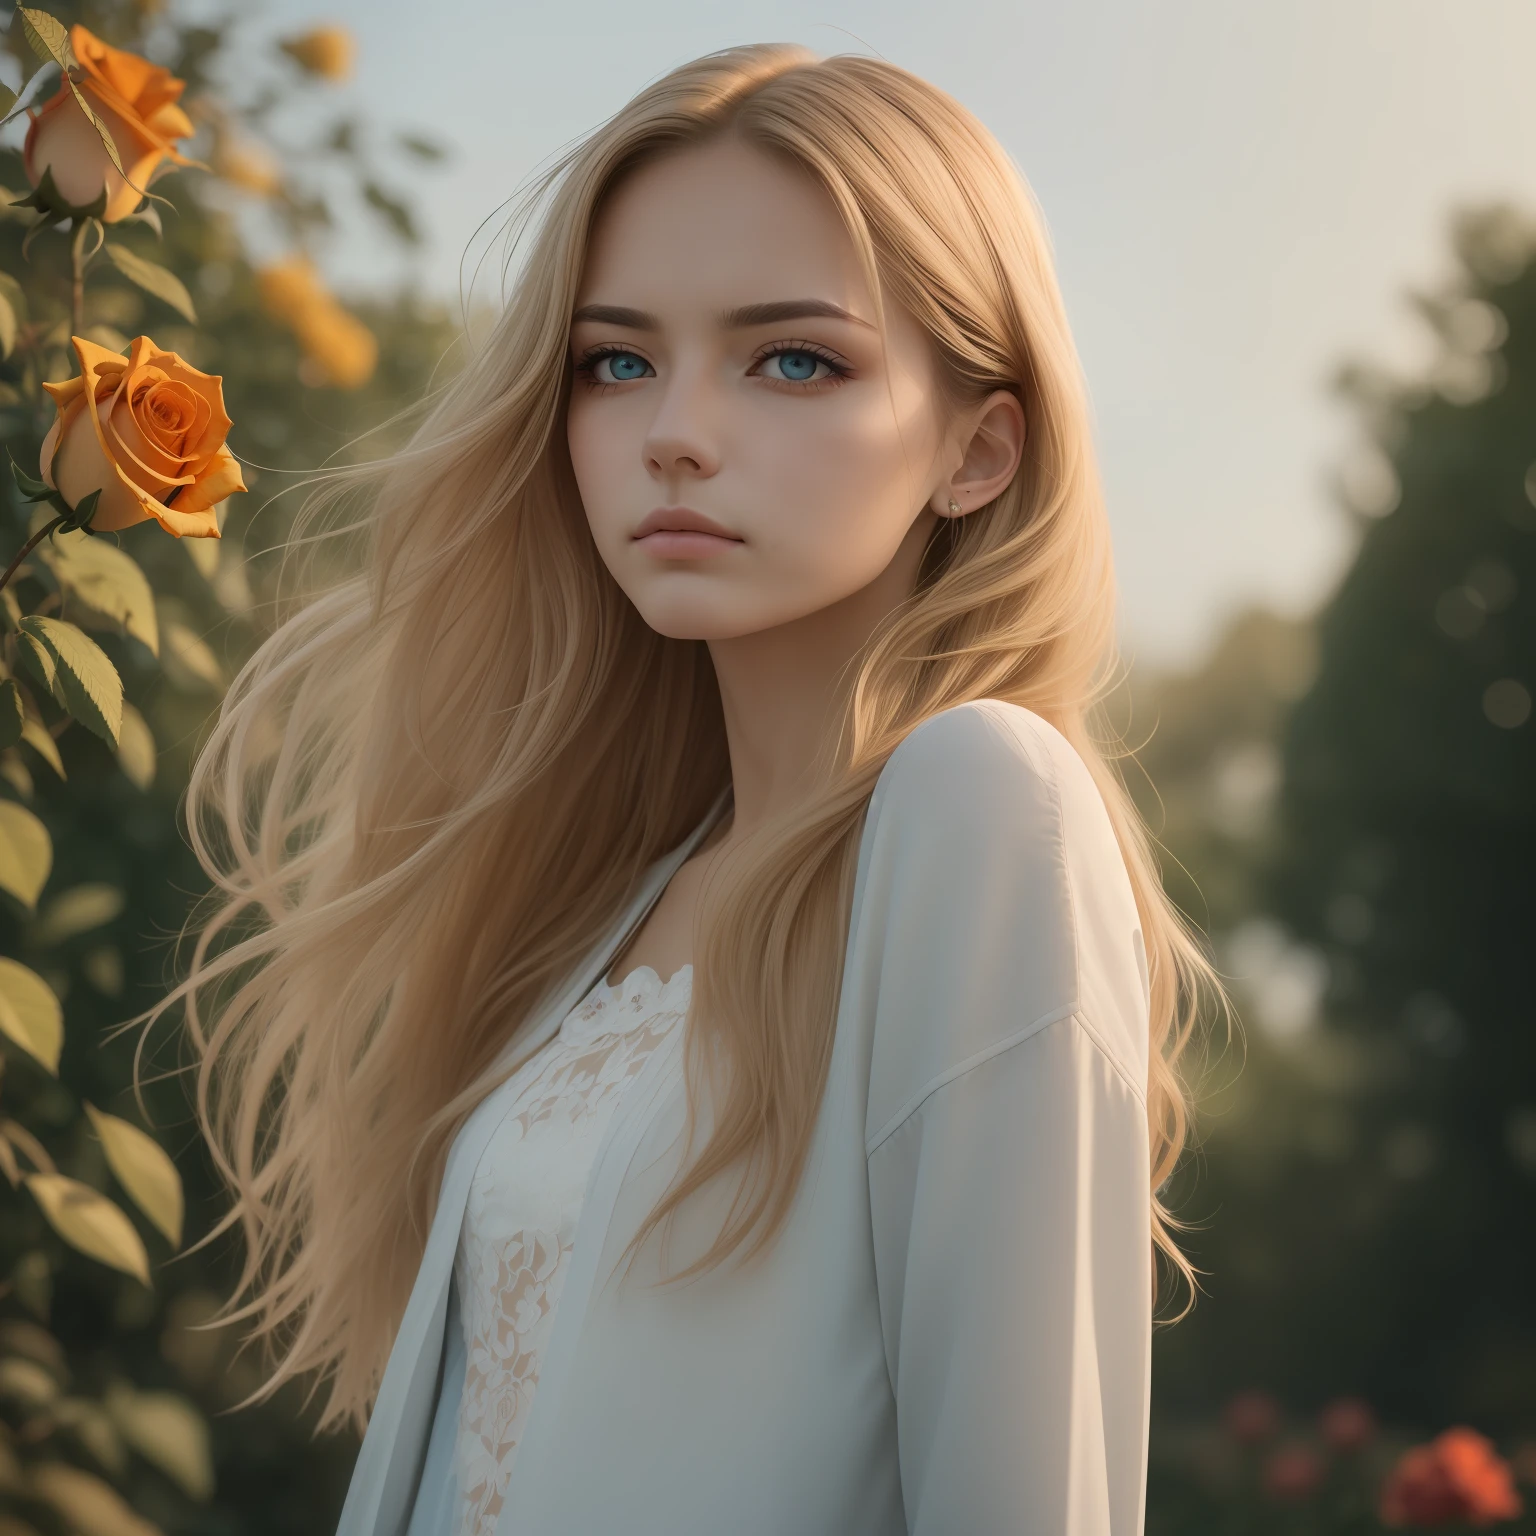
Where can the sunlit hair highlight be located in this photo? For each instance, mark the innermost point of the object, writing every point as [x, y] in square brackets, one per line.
[434, 786]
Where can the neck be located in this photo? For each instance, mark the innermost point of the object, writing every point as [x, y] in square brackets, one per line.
[783, 690]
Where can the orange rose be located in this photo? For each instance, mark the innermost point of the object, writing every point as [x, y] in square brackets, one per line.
[153, 445]
[326, 51]
[136, 102]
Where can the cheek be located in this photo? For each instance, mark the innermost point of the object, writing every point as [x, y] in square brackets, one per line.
[845, 483]
[596, 454]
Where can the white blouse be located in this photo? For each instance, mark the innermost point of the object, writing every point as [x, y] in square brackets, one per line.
[523, 1208]
[951, 1334]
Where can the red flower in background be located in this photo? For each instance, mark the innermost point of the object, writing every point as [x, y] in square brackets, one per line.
[1347, 1423]
[1252, 1416]
[1292, 1472]
[1458, 1477]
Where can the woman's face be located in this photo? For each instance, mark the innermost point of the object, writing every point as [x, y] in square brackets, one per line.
[727, 369]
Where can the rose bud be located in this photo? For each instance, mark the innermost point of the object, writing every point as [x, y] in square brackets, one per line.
[136, 102]
[153, 444]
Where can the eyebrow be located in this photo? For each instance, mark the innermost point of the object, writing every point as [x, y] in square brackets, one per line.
[731, 320]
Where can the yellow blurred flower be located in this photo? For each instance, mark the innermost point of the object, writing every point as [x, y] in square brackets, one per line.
[288, 287]
[247, 166]
[325, 51]
[343, 350]
[338, 348]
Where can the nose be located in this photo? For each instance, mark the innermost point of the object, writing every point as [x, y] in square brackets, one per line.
[683, 443]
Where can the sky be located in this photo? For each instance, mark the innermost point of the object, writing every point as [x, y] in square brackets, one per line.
[1239, 196]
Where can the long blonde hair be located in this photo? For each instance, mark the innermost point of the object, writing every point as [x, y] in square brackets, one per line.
[435, 784]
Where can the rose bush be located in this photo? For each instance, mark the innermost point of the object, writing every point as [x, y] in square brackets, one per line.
[65, 159]
[153, 445]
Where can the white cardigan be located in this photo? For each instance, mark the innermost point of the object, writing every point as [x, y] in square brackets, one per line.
[952, 1335]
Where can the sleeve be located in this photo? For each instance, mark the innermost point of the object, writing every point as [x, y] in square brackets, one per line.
[1009, 1167]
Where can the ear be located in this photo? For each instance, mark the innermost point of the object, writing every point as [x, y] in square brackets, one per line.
[991, 443]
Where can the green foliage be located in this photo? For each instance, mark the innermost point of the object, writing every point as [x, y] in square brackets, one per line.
[1363, 1179]
[114, 648]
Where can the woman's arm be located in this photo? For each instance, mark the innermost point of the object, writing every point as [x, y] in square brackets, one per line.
[1007, 1134]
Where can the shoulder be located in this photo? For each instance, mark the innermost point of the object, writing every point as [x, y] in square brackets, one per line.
[991, 868]
[980, 769]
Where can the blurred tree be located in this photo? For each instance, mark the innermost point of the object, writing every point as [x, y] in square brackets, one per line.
[1407, 847]
[298, 394]
[1363, 1180]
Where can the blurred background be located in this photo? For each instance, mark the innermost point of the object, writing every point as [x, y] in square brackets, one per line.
[1298, 246]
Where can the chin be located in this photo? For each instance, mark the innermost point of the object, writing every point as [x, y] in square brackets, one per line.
[682, 619]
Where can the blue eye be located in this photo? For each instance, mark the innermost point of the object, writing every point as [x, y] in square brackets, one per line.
[618, 367]
[796, 366]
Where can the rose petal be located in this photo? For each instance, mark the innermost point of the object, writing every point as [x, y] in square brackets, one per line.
[221, 479]
[149, 467]
[80, 466]
[61, 423]
[141, 94]
[209, 387]
[200, 523]
[66, 391]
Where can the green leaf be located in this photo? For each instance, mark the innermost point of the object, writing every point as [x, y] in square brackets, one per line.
[31, 490]
[152, 278]
[91, 689]
[165, 1429]
[27, 1382]
[87, 1220]
[137, 754]
[15, 294]
[86, 1503]
[91, 1426]
[77, 910]
[7, 327]
[395, 213]
[148, 214]
[40, 662]
[422, 147]
[7, 97]
[144, 1169]
[107, 582]
[40, 739]
[26, 853]
[188, 660]
[13, 713]
[80, 515]
[30, 1014]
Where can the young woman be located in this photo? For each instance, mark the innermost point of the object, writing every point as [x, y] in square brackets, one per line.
[711, 1062]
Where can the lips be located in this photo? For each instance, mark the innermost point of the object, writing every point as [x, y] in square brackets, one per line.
[682, 520]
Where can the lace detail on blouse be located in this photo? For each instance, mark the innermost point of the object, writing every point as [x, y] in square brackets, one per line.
[524, 1204]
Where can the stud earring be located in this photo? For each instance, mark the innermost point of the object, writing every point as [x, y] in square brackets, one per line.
[954, 507]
